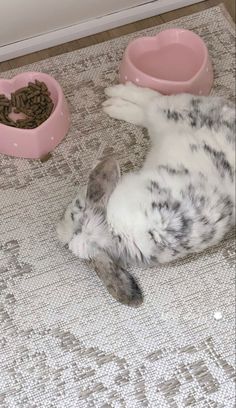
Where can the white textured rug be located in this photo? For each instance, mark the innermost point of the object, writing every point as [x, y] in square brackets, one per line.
[64, 342]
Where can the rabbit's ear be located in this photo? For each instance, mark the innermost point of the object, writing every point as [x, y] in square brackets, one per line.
[102, 181]
[119, 283]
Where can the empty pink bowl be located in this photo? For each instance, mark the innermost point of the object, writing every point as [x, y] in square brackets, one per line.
[174, 61]
[35, 143]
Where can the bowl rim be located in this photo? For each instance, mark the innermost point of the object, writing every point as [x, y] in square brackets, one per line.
[59, 95]
[166, 81]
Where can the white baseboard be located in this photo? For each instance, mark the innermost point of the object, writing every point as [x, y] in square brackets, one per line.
[90, 27]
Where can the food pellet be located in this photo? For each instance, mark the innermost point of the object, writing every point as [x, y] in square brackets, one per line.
[45, 158]
[33, 100]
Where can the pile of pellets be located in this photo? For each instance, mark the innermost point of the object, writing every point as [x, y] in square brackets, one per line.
[33, 101]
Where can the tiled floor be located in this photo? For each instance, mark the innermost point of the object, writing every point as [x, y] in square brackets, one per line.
[116, 32]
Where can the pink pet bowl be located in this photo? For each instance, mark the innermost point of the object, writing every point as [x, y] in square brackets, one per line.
[35, 143]
[174, 61]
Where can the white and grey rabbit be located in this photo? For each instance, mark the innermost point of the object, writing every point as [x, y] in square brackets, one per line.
[181, 201]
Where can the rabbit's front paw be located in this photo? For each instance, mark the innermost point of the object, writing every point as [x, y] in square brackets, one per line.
[74, 246]
[65, 227]
[64, 231]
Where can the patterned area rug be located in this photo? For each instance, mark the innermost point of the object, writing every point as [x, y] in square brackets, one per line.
[64, 342]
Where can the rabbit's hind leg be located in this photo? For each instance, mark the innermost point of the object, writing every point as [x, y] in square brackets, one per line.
[122, 109]
[132, 93]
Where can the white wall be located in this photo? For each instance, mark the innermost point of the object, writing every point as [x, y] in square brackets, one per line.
[20, 19]
[32, 25]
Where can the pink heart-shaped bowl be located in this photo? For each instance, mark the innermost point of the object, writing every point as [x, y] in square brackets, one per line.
[35, 143]
[174, 61]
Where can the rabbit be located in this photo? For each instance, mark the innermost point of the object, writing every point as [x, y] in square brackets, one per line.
[181, 201]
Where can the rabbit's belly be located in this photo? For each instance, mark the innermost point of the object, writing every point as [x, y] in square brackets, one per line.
[127, 216]
[165, 224]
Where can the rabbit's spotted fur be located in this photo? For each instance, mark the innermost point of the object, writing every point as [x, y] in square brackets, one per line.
[181, 201]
